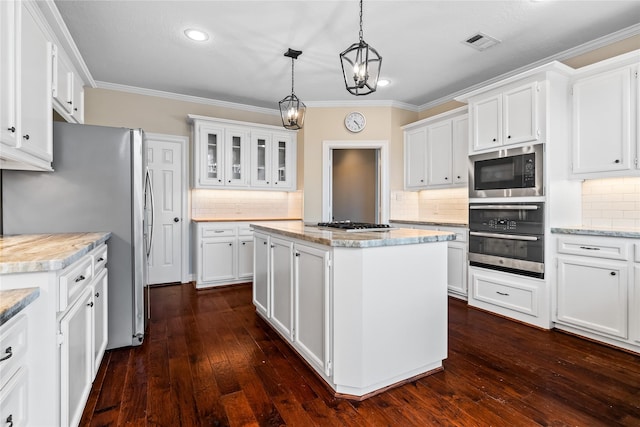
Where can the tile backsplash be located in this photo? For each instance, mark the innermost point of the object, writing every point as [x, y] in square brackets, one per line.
[611, 202]
[445, 205]
[240, 204]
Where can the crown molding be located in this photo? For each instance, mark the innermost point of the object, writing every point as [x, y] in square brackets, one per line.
[186, 98]
[362, 103]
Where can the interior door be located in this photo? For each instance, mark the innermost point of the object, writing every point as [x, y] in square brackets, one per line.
[164, 161]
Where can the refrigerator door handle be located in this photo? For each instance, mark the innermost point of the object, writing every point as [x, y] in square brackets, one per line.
[148, 188]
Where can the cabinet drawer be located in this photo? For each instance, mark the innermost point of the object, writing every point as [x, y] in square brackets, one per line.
[13, 400]
[13, 347]
[514, 297]
[99, 257]
[245, 230]
[73, 281]
[218, 232]
[637, 251]
[461, 233]
[598, 248]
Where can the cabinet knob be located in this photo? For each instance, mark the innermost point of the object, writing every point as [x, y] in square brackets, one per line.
[70, 102]
[617, 161]
[10, 420]
[90, 304]
[267, 182]
[97, 294]
[244, 243]
[230, 244]
[12, 129]
[297, 253]
[458, 176]
[176, 219]
[8, 352]
[26, 137]
[422, 180]
[508, 137]
[264, 243]
[494, 140]
[613, 273]
[219, 180]
[75, 109]
[446, 178]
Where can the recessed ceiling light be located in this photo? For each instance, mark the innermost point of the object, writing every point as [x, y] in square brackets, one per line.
[383, 82]
[196, 35]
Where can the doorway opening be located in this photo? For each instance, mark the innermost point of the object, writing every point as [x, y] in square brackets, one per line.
[355, 181]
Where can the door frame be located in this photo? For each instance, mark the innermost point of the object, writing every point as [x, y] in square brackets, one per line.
[383, 174]
[185, 198]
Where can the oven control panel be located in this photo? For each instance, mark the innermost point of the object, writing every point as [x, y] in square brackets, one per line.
[502, 224]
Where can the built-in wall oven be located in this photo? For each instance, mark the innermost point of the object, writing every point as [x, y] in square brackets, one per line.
[508, 237]
[513, 172]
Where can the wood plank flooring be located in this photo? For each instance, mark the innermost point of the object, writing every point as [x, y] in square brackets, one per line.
[209, 360]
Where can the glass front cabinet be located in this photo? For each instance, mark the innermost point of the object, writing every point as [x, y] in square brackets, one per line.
[271, 160]
[240, 155]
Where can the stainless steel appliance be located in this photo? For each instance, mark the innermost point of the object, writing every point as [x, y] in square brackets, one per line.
[99, 183]
[513, 172]
[507, 237]
[350, 226]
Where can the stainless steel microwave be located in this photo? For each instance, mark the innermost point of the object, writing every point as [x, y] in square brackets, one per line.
[513, 172]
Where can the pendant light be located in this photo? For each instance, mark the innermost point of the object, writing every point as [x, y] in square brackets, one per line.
[292, 110]
[361, 66]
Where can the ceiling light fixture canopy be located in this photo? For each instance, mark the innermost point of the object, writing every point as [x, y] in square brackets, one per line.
[292, 110]
[361, 66]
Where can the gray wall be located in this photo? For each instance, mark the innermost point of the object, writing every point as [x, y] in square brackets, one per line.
[355, 185]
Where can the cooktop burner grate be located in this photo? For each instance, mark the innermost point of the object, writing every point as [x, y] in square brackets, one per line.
[355, 226]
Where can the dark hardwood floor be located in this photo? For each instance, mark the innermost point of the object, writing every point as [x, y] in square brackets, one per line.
[208, 360]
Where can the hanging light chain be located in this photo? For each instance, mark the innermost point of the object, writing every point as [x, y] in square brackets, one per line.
[292, 86]
[360, 21]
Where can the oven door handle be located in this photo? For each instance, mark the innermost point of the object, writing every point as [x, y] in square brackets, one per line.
[506, 207]
[503, 236]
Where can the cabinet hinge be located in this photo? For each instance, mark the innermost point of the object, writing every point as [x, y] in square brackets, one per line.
[328, 367]
[328, 262]
[635, 161]
[59, 339]
[538, 132]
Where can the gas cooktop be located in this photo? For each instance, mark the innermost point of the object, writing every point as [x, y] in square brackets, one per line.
[349, 226]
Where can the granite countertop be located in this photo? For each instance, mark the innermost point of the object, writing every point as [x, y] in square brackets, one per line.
[242, 219]
[434, 223]
[338, 238]
[627, 232]
[26, 253]
[14, 300]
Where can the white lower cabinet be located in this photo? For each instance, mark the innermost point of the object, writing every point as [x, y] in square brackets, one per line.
[224, 253]
[635, 301]
[311, 290]
[596, 290]
[13, 371]
[100, 319]
[261, 273]
[13, 401]
[76, 356]
[282, 286]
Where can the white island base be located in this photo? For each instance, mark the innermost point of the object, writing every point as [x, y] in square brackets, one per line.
[365, 318]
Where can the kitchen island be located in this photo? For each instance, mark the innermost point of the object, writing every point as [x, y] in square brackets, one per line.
[366, 310]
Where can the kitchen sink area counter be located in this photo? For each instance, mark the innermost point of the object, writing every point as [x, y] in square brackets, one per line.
[28, 253]
[367, 310]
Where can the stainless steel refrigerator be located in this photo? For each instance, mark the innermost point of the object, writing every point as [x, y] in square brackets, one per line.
[100, 183]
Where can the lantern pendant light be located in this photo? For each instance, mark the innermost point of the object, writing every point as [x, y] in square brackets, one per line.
[292, 110]
[361, 66]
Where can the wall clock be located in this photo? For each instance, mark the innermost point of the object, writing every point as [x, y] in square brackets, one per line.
[355, 121]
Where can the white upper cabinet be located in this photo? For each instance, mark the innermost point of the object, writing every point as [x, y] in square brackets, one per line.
[605, 124]
[508, 117]
[435, 153]
[240, 155]
[25, 89]
[67, 88]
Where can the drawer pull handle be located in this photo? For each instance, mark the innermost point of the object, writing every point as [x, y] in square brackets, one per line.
[9, 352]
[502, 293]
[90, 304]
[12, 129]
[10, 420]
[589, 248]
[100, 259]
[80, 278]
[218, 231]
[97, 294]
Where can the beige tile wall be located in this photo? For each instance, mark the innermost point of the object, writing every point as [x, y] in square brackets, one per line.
[446, 205]
[231, 204]
[612, 202]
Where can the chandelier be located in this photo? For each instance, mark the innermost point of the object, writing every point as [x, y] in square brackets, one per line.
[292, 110]
[360, 66]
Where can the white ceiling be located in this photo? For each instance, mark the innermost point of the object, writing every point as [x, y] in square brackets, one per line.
[141, 44]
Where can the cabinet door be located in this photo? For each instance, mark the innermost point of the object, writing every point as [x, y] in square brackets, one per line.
[10, 12]
[415, 158]
[35, 73]
[460, 150]
[13, 400]
[602, 122]
[283, 161]
[282, 286]
[457, 268]
[487, 123]
[261, 159]
[634, 315]
[261, 273]
[218, 258]
[311, 335]
[100, 319]
[236, 165]
[210, 142]
[521, 114]
[245, 257]
[439, 141]
[592, 294]
[62, 81]
[75, 359]
[78, 98]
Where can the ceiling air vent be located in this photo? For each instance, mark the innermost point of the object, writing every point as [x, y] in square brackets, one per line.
[481, 41]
